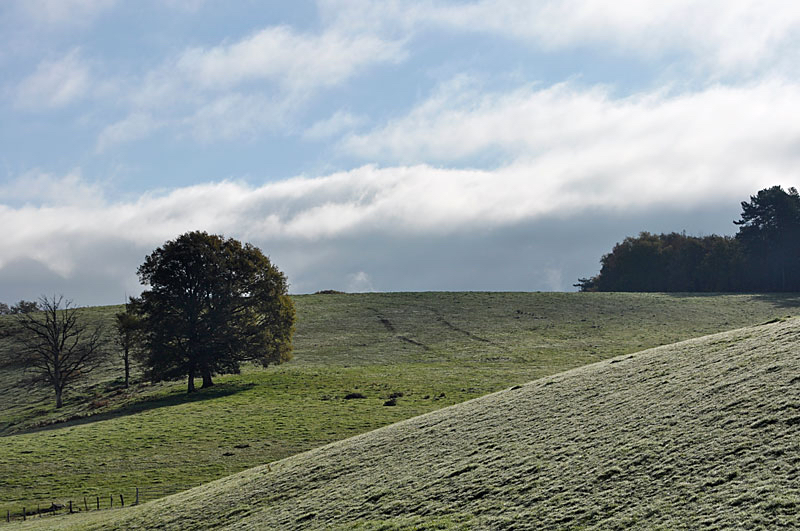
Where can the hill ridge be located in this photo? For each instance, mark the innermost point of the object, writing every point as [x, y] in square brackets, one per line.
[701, 432]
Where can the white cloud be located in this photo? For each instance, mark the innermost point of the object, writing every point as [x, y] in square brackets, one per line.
[723, 35]
[395, 201]
[42, 188]
[132, 127]
[564, 151]
[337, 123]
[261, 82]
[276, 58]
[55, 83]
[281, 55]
[359, 282]
[595, 145]
[234, 115]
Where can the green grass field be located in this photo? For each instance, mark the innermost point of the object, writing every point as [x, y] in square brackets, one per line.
[699, 434]
[437, 349]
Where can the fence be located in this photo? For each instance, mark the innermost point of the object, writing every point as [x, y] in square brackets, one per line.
[60, 505]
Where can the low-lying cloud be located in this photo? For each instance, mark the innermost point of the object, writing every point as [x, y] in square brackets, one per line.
[370, 228]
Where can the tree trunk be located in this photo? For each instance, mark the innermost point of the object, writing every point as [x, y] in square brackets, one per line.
[191, 382]
[59, 402]
[127, 370]
[207, 382]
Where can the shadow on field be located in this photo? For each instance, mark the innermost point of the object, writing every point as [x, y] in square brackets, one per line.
[698, 294]
[174, 399]
[778, 300]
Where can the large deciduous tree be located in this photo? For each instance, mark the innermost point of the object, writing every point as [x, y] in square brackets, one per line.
[212, 303]
[57, 345]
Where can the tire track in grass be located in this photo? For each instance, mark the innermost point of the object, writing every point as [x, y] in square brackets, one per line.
[458, 329]
[389, 325]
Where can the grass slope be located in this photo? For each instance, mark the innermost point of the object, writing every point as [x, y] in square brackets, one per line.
[436, 349]
[704, 433]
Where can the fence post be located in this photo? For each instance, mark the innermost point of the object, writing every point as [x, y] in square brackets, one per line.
[137, 497]
[24, 514]
[8, 515]
[98, 503]
[122, 500]
[111, 505]
[70, 507]
[85, 505]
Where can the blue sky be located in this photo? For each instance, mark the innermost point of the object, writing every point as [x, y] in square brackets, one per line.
[379, 145]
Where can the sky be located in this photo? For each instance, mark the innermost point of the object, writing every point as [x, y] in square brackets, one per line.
[383, 145]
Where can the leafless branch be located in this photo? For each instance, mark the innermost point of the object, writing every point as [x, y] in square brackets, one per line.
[57, 345]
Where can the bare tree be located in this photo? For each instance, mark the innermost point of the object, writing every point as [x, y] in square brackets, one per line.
[57, 345]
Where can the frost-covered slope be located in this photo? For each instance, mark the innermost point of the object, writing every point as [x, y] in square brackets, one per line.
[703, 433]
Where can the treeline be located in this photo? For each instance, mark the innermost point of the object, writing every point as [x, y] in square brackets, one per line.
[22, 306]
[764, 256]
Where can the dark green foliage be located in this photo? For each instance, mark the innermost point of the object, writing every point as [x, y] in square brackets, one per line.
[770, 233]
[763, 257]
[212, 304]
[670, 262]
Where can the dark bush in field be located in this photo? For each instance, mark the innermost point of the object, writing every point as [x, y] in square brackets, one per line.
[351, 396]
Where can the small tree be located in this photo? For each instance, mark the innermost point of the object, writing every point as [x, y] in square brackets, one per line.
[57, 346]
[212, 304]
[128, 327]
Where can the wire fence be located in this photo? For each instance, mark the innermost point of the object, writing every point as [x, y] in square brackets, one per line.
[90, 501]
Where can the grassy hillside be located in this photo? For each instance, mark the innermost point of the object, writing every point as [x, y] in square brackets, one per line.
[436, 349]
[23, 405]
[703, 433]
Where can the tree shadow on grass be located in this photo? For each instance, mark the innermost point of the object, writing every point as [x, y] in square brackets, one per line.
[174, 398]
[779, 300]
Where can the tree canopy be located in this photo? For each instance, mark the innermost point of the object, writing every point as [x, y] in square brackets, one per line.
[769, 230]
[212, 303]
[763, 256]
